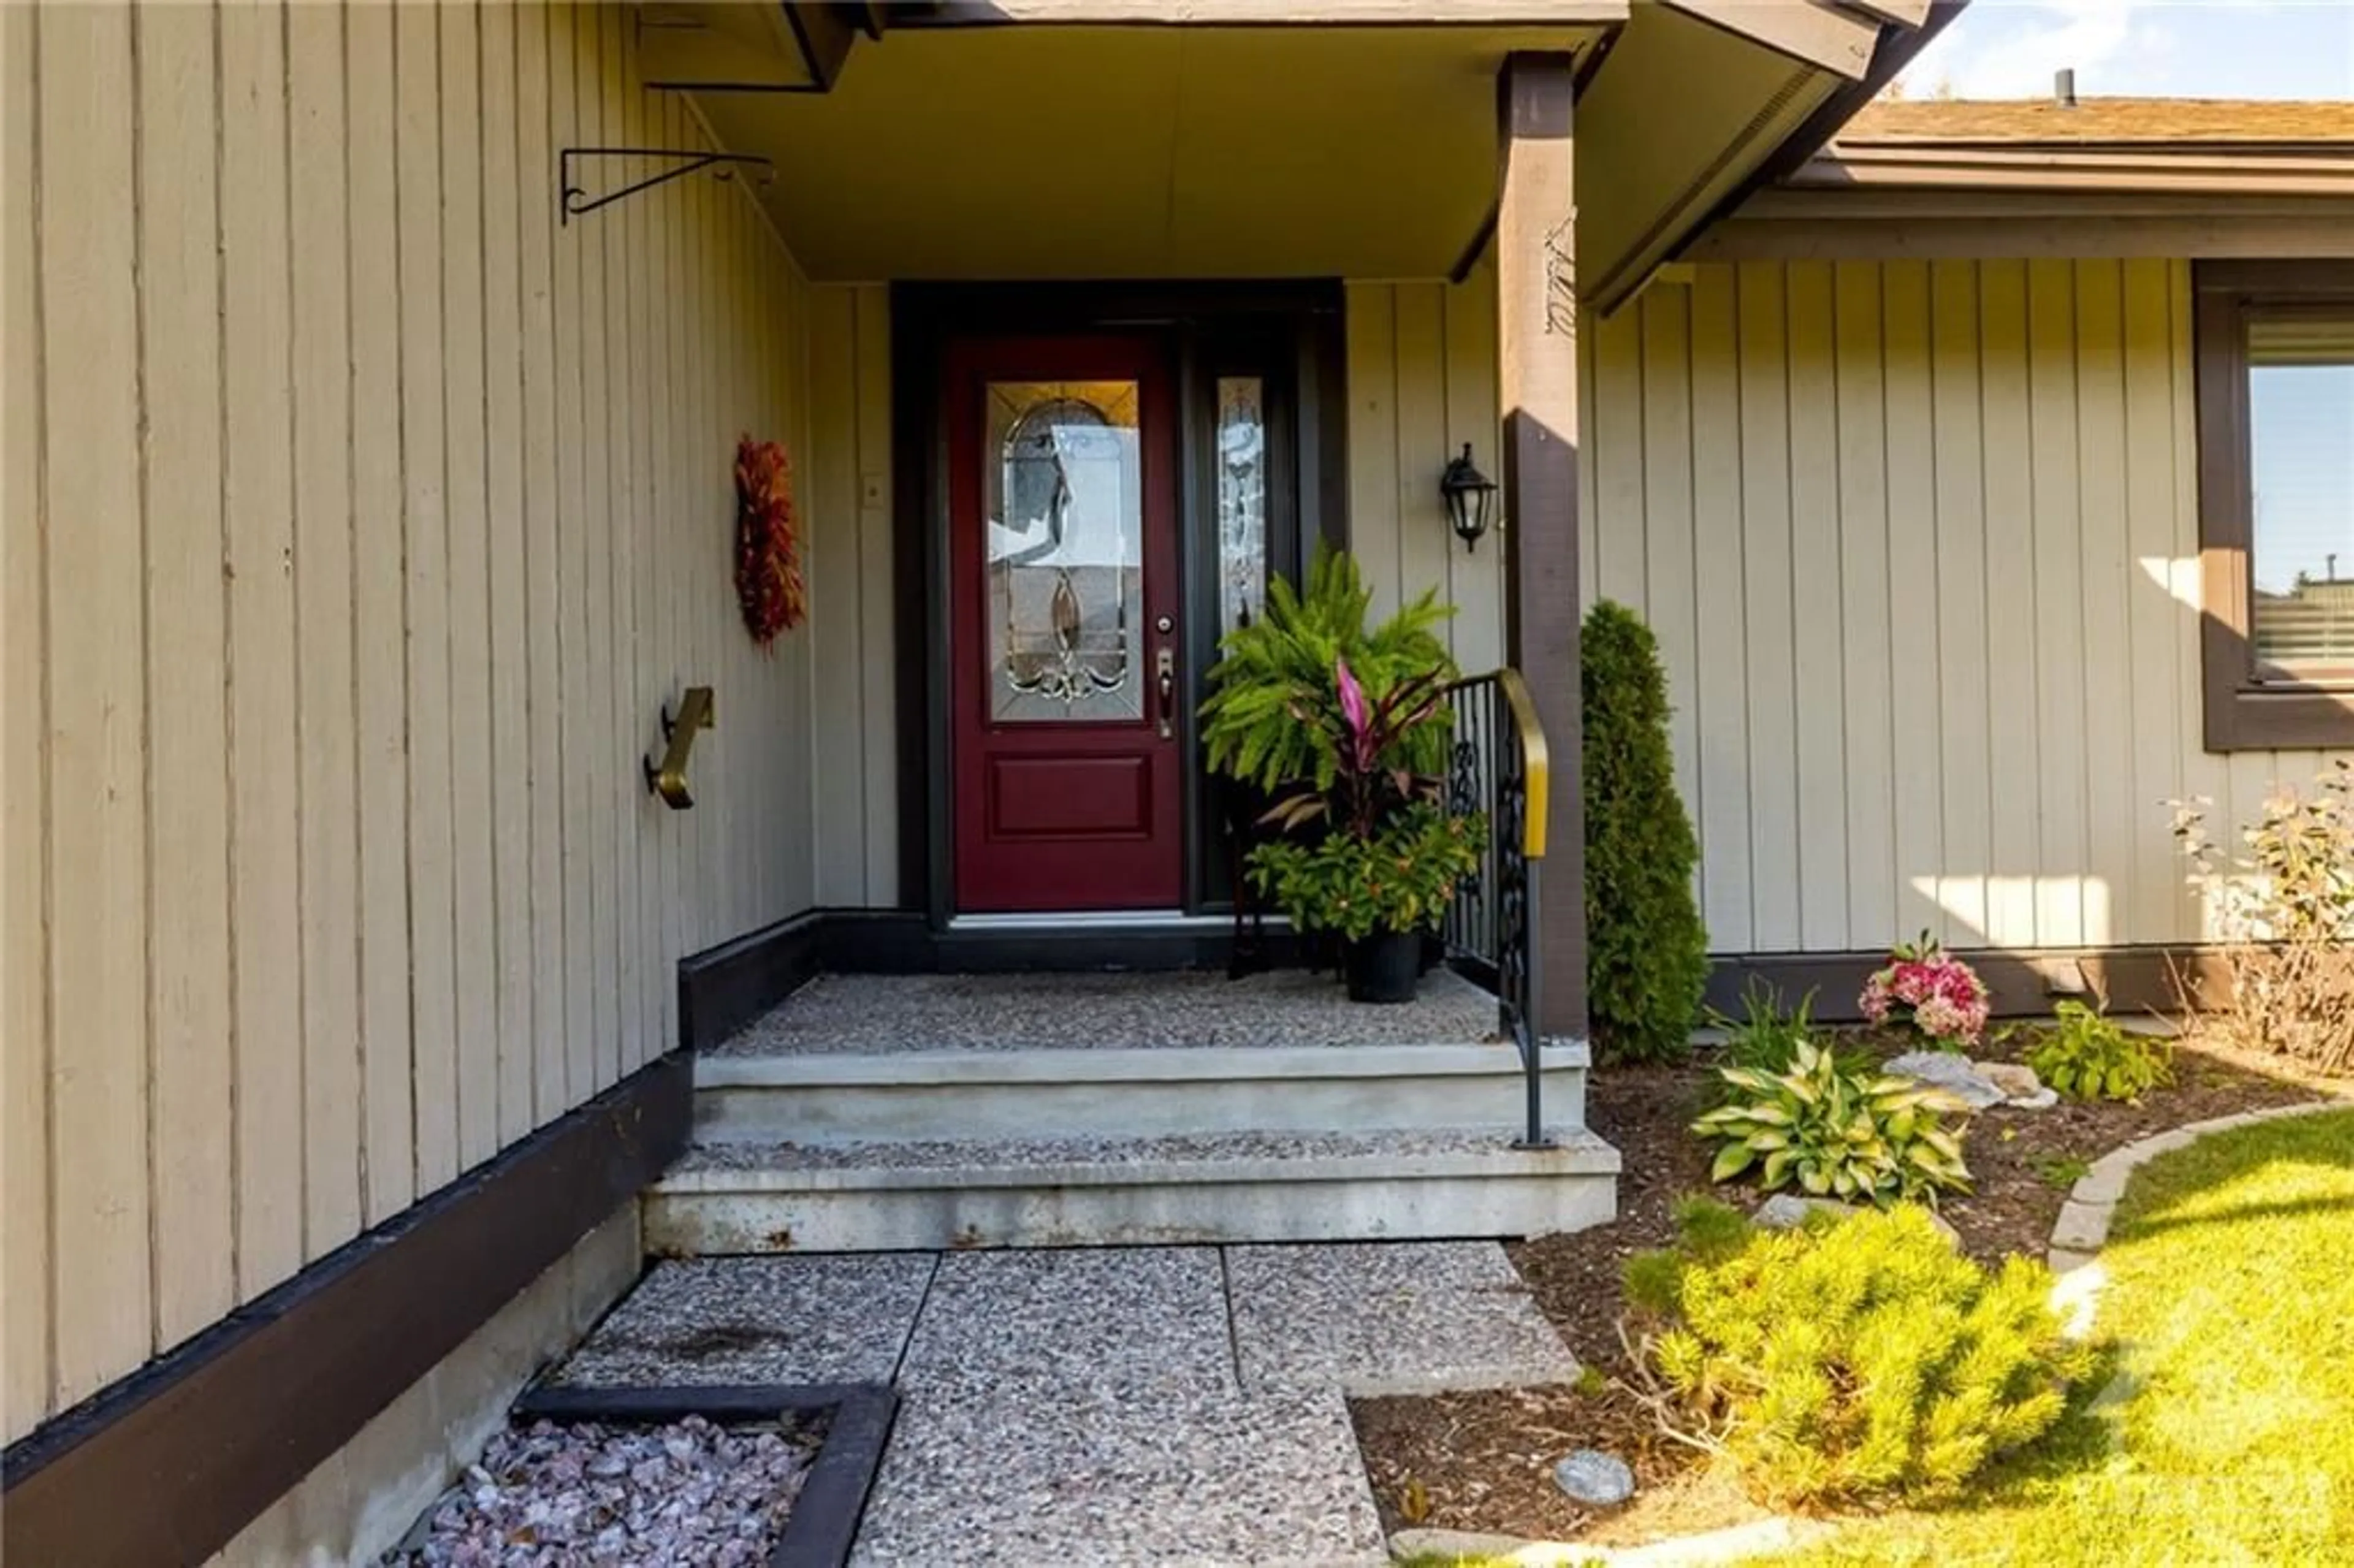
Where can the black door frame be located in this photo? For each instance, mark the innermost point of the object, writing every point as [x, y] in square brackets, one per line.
[1287, 333]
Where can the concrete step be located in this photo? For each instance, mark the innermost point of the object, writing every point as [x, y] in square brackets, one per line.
[738, 1197]
[931, 1097]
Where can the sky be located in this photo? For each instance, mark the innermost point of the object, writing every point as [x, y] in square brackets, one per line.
[2168, 49]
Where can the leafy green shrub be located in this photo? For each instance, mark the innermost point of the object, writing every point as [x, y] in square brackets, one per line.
[1836, 1132]
[1647, 952]
[1398, 879]
[2086, 1057]
[1856, 1358]
[1283, 663]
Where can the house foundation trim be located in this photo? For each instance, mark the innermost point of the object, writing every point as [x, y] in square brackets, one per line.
[2021, 981]
[167, 1465]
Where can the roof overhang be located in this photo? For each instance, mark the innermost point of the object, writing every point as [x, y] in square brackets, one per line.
[1700, 100]
[969, 147]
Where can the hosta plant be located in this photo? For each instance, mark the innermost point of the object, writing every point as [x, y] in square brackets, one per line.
[2085, 1056]
[1929, 990]
[1856, 1360]
[1836, 1132]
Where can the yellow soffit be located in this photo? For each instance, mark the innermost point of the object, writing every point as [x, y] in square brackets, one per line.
[1067, 152]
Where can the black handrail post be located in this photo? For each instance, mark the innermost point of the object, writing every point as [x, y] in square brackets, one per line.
[1532, 1044]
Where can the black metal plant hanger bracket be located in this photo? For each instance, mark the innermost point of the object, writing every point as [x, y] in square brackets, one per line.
[572, 204]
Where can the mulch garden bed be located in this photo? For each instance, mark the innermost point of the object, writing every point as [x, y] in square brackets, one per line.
[1484, 1461]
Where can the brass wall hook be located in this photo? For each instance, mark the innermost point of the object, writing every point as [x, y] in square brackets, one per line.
[668, 779]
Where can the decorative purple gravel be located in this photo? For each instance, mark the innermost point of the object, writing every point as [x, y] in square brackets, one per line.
[685, 1492]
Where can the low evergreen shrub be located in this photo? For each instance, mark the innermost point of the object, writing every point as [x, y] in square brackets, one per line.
[1646, 951]
[1856, 1358]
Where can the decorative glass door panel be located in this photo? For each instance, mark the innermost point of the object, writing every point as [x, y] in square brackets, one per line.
[1064, 515]
[1064, 636]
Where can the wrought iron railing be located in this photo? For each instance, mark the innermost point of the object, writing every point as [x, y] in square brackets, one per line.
[1497, 768]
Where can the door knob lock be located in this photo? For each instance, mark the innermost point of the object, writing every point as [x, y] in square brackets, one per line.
[1165, 665]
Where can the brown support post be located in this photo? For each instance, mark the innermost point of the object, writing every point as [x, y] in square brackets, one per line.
[1536, 307]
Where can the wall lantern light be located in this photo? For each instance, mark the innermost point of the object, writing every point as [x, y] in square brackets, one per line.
[1470, 498]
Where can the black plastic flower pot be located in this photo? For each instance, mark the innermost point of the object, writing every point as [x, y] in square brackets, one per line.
[1384, 966]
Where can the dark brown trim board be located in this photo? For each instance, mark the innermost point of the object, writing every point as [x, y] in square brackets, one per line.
[2022, 982]
[2244, 711]
[1536, 311]
[824, 1520]
[169, 1464]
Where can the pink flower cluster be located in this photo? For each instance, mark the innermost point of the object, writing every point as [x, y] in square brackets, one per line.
[1940, 996]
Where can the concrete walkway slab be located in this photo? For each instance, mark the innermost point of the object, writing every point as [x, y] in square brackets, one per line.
[1389, 1318]
[1115, 1318]
[1046, 1475]
[758, 1320]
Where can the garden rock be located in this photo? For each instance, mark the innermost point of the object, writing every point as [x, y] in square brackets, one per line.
[2019, 1084]
[1788, 1211]
[1956, 1075]
[1595, 1479]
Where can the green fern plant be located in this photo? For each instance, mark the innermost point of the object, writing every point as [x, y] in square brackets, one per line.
[1283, 664]
[2087, 1057]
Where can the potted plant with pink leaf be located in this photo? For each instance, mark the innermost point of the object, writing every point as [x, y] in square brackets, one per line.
[1370, 855]
[1927, 989]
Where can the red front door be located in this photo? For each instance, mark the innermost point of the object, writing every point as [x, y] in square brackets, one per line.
[1064, 631]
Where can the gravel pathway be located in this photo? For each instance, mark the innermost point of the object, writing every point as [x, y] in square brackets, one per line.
[685, 1493]
[876, 1013]
[1180, 1405]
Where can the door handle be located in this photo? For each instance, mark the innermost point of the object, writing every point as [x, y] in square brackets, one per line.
[1164, 664]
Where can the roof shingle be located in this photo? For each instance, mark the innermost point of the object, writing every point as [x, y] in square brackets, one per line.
[2099, 122]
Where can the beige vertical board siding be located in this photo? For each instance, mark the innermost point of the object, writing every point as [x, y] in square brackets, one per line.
[2156, 574]
[25, 1390]
[1956, 392]
[1918, 777]
[2060, 646]
[187, 719]
[1371, 372]
[2024, 464]
[1666, 542]
[2116, 815]
[543, 566]
[1718, 698]
[1764, 431]
[95, 699]
[1864, 610]
[1818, 693]
[1418, 389]
[1619, 539]
[1424, 538]
[834, 607]
[379, 616]
[1475, 578]
[568, 802]
[265, 909]
[878, 646]
[326, 727]
[1945, 534]
[627, 795]
[606, 514]
[473, 924]
[319, 697]
[432, 889]
[509, 719]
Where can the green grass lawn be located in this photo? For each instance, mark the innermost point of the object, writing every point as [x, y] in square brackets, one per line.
[2232, 1295]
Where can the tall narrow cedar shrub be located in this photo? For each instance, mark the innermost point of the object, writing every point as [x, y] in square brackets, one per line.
[1647, 953]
